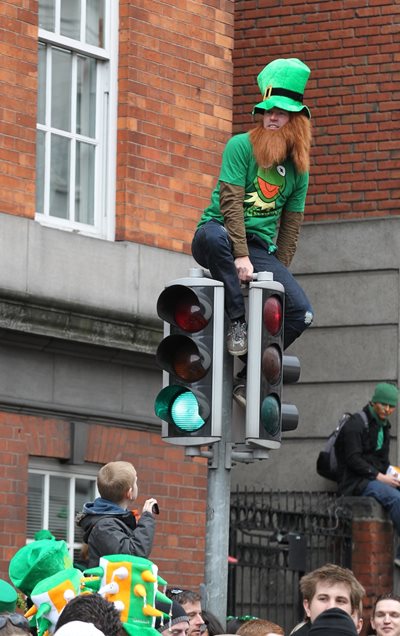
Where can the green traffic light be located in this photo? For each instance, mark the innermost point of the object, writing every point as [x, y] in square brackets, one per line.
[185, 412]
[179, 406]
[270, 415]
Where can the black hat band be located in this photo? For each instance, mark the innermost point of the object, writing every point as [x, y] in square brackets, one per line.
[283, 92]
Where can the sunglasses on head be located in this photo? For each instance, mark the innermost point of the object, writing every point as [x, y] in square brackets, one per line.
[15, 619]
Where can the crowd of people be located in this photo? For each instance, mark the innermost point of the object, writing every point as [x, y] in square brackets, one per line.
[332, 601]
[54, 601]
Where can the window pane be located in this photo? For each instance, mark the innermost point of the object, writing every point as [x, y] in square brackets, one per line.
[61, 90]
[86, 97]
[42, 85]
[40, 141]
[85, 490]
[71, 19]
[84, 203]
[59, 177]
[47, 14]
[59, 506]
[95, 22]
[35, 504]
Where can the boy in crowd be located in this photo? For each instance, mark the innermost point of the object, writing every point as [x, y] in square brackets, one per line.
[109, 524]
[327, 587]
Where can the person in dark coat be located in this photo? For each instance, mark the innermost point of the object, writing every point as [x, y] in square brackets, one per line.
[333, 622]
[108, 523]
[363, 455]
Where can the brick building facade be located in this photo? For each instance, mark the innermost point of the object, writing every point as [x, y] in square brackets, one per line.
[352, 50]
[173, 115]
[77, 322]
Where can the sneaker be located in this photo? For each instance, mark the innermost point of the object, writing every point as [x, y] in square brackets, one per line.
[397, 561]
[239, 395]
[236, 339]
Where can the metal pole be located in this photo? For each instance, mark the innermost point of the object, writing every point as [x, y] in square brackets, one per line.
[218, 507]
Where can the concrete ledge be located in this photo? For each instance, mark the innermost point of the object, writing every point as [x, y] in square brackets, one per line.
[365, 508]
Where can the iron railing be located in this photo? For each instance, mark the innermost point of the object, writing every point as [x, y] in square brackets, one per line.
[277, 537]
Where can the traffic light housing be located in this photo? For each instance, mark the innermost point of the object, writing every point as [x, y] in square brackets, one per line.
[267, 367]
[191, 356]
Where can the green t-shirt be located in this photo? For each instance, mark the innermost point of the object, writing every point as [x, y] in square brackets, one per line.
[267, 192]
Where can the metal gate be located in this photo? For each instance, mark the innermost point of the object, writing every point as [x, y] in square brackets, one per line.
[277, 537]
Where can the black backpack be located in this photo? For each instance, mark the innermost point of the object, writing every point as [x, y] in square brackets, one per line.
[327, 465]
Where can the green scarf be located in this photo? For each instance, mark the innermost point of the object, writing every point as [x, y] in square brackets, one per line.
[381, 424]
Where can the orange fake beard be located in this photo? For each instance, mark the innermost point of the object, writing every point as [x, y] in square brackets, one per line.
[271, 147]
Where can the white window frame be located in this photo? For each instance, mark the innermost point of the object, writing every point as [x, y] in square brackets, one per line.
[106, 127]
[48, 468]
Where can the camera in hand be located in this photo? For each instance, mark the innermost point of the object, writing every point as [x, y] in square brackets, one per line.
[155, 509]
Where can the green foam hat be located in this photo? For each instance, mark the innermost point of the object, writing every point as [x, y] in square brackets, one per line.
[44, 534]
[386, 393]
[8, 597]
[36, 561]
[282, 84]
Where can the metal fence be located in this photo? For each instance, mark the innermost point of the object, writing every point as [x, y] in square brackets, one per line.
[277, 537]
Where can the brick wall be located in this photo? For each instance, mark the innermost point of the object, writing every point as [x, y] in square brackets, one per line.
[352, 49]
[179, 485]
[18, 80]
[175, 112]
[175, 105]
[372, 557]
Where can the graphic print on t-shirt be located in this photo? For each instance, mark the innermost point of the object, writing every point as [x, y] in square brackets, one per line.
[269, 183]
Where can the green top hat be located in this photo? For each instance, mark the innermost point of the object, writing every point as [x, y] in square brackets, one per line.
[8, 597]
[282, 84]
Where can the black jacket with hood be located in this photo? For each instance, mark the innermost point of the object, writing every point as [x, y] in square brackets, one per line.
[110, 529]
[359, 461]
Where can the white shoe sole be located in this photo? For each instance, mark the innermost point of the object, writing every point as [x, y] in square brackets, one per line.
[241, 352]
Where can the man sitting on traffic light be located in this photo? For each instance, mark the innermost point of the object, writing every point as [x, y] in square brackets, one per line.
[262, 183]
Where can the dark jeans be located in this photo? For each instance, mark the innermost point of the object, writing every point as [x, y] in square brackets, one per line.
[212, 249]
[388, 497]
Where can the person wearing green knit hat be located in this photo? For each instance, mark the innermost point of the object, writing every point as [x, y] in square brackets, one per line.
[253, 221]
[362, 450]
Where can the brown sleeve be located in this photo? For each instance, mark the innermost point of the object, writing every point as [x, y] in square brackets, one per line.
[231, 206]
[288, 235]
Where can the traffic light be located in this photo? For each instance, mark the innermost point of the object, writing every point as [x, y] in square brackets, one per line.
[267, 367]
[191, 355]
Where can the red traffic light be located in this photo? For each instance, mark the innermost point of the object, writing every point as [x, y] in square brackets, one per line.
[273, 315]
[181, 306]
[189, 316]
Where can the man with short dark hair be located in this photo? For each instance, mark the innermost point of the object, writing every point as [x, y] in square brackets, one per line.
[191, 603]
[177, 623]
[385, 619]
